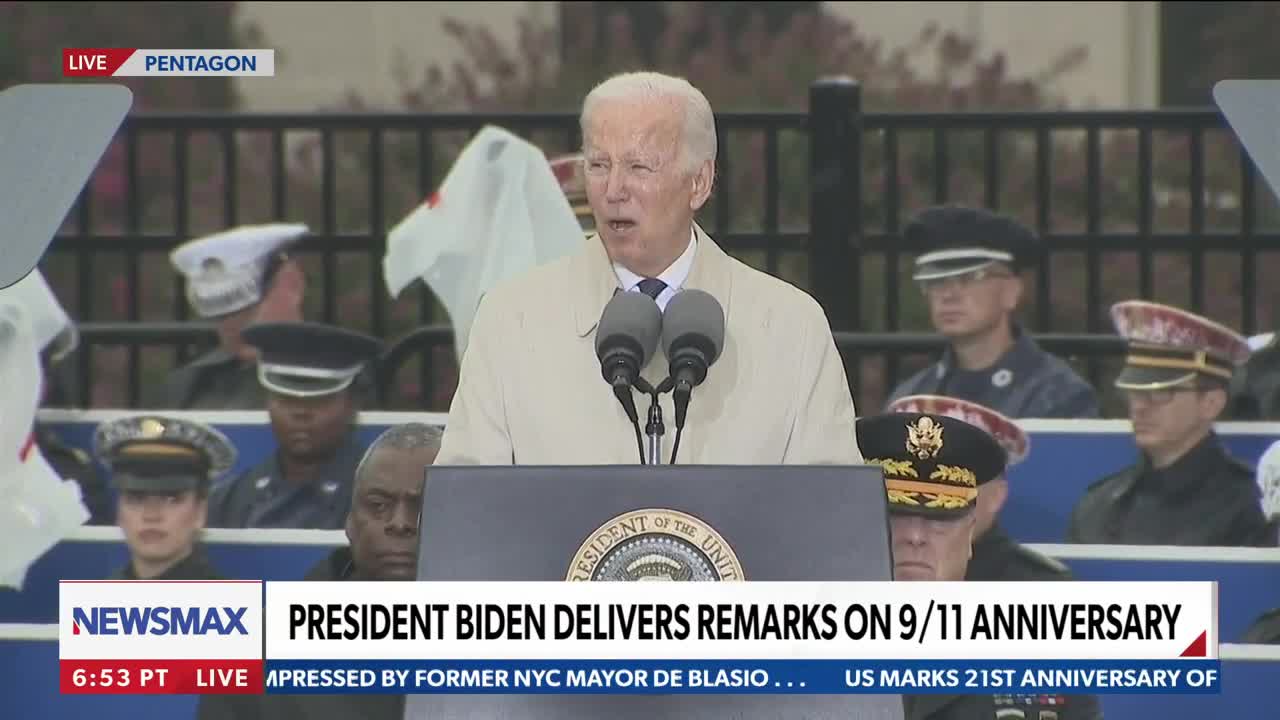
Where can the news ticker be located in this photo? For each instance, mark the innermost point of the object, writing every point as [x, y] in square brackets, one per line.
[141, 62]
[635, 638]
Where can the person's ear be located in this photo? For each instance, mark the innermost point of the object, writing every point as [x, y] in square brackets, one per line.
[703, 182]
[1212, 403]
[1011, 296]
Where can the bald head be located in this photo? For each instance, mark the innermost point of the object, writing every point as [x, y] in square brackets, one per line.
[382, 526]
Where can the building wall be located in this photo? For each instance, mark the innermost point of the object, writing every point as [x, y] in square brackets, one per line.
[326, 49]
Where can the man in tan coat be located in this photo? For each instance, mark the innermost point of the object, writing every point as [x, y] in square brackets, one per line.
[530, 389]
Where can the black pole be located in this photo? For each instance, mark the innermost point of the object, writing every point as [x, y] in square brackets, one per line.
[835, 205]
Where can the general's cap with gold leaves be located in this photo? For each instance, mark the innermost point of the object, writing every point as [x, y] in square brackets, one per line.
[933, 464]
[153, 453]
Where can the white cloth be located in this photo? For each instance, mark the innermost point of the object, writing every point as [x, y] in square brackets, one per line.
[37, 508]
[499, 212]
[674, 276]
[45, 314]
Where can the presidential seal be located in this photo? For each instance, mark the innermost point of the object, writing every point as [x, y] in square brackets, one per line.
[655, 544]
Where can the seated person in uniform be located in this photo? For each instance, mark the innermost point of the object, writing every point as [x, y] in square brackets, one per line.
[162, 468]
[1185, 489]
[382, 529]
[1265, 630]
[316, 382]
[996, 556]
[235, 278]
[968, 270]
[932, 525]
[1255, 389]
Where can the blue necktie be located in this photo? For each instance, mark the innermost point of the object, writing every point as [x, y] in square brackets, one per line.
[652, 287]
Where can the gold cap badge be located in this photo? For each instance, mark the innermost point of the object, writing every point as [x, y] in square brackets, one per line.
[924, 438]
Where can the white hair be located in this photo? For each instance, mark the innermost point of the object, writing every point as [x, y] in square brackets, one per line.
[699, 120]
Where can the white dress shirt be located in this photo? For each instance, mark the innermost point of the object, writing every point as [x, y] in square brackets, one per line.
[674, 276]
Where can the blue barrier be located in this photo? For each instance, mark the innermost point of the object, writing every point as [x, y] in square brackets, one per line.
[1066, 456]
[30, 690]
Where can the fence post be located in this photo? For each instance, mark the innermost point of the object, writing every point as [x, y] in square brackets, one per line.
[835, 199]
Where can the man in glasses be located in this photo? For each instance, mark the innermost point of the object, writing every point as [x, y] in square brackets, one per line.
[968, 270]
[1185, 489]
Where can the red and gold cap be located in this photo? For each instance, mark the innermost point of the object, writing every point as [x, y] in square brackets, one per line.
[1012, 438]
[1170, 347]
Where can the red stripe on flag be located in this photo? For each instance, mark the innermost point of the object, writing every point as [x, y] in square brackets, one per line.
[26, 447]
[94, 62]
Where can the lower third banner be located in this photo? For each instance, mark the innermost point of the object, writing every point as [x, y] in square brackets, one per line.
[815, 677]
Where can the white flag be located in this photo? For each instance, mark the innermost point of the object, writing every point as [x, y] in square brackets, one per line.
[37, 508]
[499, 213]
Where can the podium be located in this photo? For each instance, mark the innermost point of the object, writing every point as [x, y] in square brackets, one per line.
[654, 523]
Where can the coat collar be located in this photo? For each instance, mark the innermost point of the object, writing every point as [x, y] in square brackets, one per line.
[592, 272]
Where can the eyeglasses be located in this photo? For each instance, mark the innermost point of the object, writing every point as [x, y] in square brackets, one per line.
[1163, 396]
[963, 281]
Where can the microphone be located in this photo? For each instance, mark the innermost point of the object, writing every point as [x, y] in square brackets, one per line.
[625, 340]
[692, 337]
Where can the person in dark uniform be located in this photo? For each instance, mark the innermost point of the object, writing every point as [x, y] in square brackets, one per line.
[996, 556]
[316, 378]
[969, 271]
[1185, 489]
[163, 468]
[236, 278]
[1255, 390]
[1265, 630]
[382, 532]
[932, 524]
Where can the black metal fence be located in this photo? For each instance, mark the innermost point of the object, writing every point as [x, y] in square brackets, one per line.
[816, 197]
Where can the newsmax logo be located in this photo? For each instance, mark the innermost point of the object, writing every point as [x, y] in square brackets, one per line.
[158, 620]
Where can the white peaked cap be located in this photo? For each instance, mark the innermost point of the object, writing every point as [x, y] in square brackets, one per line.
[499, 213]
[46, 317]
[225, 271]
[37, 508]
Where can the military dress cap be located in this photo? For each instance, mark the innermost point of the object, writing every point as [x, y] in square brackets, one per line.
[228, 271]
[933, 464]
[955, 240]
[303, 359]
[572, 176]
[1170, 347]
[154, 453]
[1009, 434]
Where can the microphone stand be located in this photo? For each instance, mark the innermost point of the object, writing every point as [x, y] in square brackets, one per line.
[654, 427]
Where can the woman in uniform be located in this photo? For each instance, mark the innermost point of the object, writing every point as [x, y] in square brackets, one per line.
[162, 469]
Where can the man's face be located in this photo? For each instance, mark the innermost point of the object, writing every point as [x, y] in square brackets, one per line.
[931, 548]
[161, 527]
[310, 429]
[640, 187]
[1171, 420]
[382, 526]
[973, 303]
